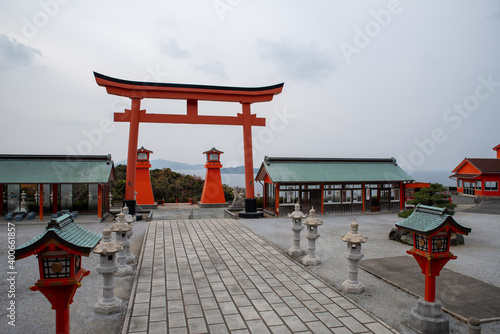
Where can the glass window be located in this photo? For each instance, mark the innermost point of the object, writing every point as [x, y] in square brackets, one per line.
[332, 186]
[331, 196]
[371, 185]
[312, 186]
[395, 195]
[346, 196]
[289, 196]
[469, 188]
[270, 195]
[459, 183]
[67, 196]
[289, 187]
[93, 197]
[478, 185]
[13, 200]
[357, 196]
[384, 196]
[491, 186]
[353, 186]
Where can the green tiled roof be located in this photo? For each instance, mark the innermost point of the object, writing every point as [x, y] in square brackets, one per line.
[65, 231]
[426, 220]
[307, 170]
[55, 169]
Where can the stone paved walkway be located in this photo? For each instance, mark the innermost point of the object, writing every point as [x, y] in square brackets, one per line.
[217, 276]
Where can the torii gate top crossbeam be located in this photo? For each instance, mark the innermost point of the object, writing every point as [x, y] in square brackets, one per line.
[138, 89]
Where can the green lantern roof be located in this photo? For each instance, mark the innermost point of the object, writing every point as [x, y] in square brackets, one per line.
[64, 231]
[427, 220]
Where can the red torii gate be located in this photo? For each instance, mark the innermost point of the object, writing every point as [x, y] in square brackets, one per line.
[137, 90]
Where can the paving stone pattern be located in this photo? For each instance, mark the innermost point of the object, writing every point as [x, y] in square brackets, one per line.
[217, 276]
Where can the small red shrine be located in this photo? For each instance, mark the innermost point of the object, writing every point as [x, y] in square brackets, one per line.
[213, 192]
[143, 186]
[59, 251]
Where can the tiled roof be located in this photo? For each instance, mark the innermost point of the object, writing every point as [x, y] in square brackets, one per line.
[55, 169]
[428, 219]
[65, 231]
[486, 165]
[306, 170]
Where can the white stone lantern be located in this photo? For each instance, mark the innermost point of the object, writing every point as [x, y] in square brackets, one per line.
[107, 250]
[121, 228]
[129, 219]
[312, 224]
[353, 254]
[296, 227]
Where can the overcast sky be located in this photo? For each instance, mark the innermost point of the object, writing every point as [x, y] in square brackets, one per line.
[415, 80]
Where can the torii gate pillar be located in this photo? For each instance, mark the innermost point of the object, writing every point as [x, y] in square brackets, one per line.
[136, 91]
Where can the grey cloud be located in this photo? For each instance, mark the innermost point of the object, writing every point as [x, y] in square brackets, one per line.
[301, 62]
[172, 48]
[214, 68]
[14, 53]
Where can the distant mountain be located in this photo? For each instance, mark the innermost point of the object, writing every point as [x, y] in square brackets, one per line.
[181, 166]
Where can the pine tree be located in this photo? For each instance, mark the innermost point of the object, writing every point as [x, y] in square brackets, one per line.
[434, 195]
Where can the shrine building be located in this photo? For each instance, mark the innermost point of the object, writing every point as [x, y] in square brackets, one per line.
[478, 177]
[51, 183]
[331, 185]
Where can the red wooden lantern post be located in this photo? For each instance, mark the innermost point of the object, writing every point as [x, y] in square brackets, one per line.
[432, 228]
[213, 192]
[59, 251]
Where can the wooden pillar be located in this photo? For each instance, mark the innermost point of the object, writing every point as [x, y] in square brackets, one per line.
[99, 201]
[133, 138]
[54, 198]
[247, 147]
[430, 288]
[277, 199]
[401, 195]
[363, 193]
[40, 199]
[322, 198]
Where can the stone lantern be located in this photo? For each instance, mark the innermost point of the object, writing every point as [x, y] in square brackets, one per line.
[431, 228]
[107, 250]
[353, 254]
[296, 227]
[121, 228]
[312, 224]
[59, 251]
[130, 258]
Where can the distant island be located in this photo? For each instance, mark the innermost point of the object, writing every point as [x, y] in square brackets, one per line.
[181, 166]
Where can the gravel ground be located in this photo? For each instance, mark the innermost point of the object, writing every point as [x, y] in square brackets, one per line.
[33, 312]
[477, 258]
